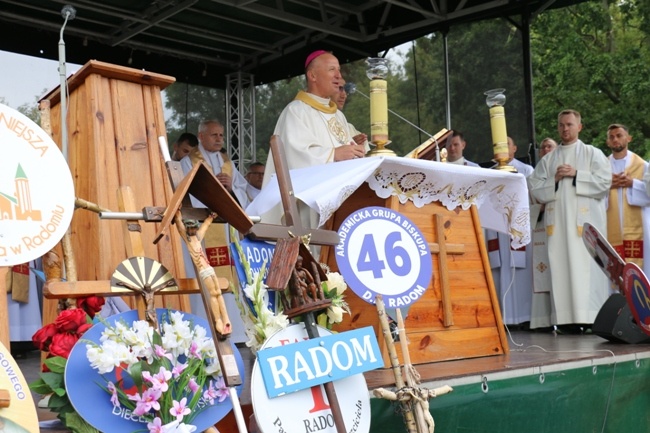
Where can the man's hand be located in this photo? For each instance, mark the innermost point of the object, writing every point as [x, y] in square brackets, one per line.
[349, 151]
[360, 138]
[565, 170]
[621, 180]
[225, 180]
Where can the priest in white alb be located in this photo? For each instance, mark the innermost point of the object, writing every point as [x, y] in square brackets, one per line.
[573, 182]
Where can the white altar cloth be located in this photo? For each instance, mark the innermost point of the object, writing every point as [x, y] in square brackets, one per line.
[501, 197]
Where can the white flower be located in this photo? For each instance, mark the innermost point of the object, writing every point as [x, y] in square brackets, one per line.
[335, 283]
[335, 314]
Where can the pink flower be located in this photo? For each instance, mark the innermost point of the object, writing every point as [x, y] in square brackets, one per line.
[155, 426]
[162, 353]
[194, 350]
[159, 380]
[193, 385]
[216, 391]
[180, 409]
[114, 399]
[147, 401]
[222, 390]
[178, 369]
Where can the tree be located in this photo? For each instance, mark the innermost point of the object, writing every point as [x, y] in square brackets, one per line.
[593, 57]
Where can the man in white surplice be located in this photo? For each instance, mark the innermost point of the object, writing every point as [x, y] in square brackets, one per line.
[627, 211]
[573, 182]
[312, 130]
[211, 151]
[511, 269]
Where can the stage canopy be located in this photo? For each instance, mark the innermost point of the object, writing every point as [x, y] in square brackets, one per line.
[200, 41]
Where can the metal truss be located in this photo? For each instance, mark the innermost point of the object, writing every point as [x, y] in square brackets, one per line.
[240, 123]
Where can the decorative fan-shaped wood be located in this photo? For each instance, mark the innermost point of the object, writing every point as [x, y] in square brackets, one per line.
[142, 273]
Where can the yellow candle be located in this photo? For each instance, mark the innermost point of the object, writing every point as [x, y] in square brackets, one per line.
[499, 134]
[378, 112]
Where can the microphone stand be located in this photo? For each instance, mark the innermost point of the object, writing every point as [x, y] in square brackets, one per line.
[68, 13]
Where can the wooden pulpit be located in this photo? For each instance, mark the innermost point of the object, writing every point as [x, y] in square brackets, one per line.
[115, 116]
[458, 316]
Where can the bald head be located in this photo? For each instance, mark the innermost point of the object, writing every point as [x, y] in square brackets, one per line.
[323, 75]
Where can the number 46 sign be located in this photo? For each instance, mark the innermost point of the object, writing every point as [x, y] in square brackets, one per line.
[383, 252]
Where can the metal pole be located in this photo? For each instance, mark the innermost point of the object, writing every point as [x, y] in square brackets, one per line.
[68, 13]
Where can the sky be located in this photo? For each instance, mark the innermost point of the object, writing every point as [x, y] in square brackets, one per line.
[23, 79]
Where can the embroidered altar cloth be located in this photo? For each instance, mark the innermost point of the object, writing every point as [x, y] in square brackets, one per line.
[501, 197]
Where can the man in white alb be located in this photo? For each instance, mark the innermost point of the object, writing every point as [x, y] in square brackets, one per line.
[627, 211]
[573, 182]
[311, 129]
[455, 148]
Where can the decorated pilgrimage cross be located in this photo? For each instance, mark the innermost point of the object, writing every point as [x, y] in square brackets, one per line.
[285, 267]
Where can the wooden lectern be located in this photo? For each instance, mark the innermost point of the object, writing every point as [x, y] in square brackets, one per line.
[115, 117]
[458, 316]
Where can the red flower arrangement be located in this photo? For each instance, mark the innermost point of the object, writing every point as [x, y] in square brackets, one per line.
[58, 339]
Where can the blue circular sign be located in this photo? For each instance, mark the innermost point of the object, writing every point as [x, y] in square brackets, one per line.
[82, 383]
[383, 252]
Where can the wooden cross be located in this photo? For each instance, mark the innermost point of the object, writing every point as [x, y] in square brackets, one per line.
[293, 225]
[442, 248]
[282, 234]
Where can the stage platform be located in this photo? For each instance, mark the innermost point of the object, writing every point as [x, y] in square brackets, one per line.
[548, 383]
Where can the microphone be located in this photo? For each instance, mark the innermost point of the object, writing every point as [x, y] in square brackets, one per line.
[351, 89]
[68, 12]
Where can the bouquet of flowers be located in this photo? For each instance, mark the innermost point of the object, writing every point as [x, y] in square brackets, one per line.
[168, 375]
[58, 339]
[260, 321]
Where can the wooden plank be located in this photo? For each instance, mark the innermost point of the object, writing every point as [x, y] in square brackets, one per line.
[488, 277]
[62, 289]
[95, 67]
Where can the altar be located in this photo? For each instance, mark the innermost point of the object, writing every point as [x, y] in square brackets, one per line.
[458, 316]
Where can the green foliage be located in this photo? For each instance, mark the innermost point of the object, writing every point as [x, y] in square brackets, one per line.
[52, 383]
[593, 57]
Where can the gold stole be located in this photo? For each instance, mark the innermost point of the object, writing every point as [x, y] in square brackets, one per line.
[196, 156]
[304, 97]
[629, 244]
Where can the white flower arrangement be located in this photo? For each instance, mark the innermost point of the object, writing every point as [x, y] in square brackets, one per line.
[261, 322]
[175, 370]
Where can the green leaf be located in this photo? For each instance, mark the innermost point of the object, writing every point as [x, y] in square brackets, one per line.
[40, 387]
[58, 401]
[77, 424]
[53, 380]
[56, 364]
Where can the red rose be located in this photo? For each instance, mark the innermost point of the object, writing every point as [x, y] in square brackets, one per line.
[62, 344]
[43, 337]
[70, 320]
[83, 328]
[91, 304]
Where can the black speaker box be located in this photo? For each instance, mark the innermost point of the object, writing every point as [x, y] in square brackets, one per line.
[615, 322]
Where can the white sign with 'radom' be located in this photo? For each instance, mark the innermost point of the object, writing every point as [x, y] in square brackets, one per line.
[308, 410]
[36, 190]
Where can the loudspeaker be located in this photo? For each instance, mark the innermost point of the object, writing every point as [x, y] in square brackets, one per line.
[615, 322]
